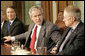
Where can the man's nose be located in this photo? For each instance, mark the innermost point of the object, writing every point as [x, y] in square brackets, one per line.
[37, 17]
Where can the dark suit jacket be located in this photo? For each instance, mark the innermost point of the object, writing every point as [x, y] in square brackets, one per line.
[16, 28]
[3, 29]
[48, 33]
[75, 43]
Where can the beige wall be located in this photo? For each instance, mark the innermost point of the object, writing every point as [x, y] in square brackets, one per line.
[4, 4]
[54, 12]
[80, 4]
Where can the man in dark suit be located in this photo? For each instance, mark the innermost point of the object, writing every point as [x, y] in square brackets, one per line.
[16, 26]
[46, 31]
[72, 41]
[3, 23]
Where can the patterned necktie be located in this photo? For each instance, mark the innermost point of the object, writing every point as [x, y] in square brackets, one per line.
[9, 25]
[66, 38]
[33, 39]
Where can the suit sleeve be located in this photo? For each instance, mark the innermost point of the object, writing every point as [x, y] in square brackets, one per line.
[55, 34]
[21, 36]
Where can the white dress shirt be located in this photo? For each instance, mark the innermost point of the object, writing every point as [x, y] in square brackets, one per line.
[12, 20]
[75, 26]
[38, 30]
[2, 24]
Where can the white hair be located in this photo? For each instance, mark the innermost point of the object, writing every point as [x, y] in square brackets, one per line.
[73, 11]
[34, 8]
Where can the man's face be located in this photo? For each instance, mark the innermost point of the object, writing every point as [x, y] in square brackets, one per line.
[10, 13]
[37, 17]
[2, 16]
[68, 20]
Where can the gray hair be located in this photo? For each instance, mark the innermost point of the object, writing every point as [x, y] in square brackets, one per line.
[34, 8]
[73, 11]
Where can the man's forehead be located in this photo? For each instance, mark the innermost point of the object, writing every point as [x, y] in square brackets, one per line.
[36, 12]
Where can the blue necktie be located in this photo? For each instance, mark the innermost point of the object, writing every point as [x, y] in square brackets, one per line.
[9, 25]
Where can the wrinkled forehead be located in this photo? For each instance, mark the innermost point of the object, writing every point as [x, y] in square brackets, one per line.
[34, 11]
[37, 12]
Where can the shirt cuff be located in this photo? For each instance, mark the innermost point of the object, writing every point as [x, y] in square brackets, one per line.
[13, 38]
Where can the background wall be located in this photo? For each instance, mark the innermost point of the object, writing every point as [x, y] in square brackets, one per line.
[80, 4]
[4, 4]
[28, 4]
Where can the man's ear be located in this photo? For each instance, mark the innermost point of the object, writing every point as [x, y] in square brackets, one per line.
[74, 18]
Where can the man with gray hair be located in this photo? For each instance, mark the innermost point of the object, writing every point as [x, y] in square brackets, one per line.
[40, 33]
[72, 42]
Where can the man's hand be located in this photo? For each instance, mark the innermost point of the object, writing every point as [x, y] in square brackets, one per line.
[53, 50]
[8, 38]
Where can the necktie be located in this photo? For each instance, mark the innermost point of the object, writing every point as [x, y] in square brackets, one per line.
[32, 43]
[9, 25]
[62, 45]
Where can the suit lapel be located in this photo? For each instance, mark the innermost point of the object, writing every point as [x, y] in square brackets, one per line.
[41, 35]
[63, 37]
[74, 32]
[13, 25]
[29, 32]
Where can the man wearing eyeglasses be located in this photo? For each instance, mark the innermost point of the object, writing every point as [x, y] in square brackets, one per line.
[72, 41]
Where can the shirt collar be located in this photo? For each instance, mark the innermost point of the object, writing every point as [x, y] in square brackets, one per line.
[12, 20]
[2, 23]
[38, 25]
[75, 26]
